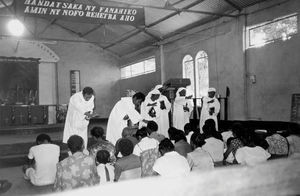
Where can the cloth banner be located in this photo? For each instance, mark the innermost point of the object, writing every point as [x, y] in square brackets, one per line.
[79, 12]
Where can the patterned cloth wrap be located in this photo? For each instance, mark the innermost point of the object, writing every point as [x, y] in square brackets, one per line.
[278, 145]
[148, 158]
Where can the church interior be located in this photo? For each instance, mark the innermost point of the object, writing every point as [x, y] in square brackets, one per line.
[245, 50]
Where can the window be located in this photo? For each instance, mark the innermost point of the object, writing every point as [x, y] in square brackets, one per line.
[188, 72]
[281, 28]
[140, 68]
[202, 77]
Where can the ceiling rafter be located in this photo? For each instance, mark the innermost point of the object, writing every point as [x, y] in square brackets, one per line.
[233, 5]
[154, 23]
[78, 34]
[51, 22]
[91, 30]
[139, 28]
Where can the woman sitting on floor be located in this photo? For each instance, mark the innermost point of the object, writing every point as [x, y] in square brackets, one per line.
[199, 159]
[234, 142]
[254, 151]
[213, 143]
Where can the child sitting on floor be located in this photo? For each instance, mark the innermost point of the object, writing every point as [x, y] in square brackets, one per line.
[105, 169]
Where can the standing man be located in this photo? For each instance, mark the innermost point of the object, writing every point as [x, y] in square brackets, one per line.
[80, 110]
[125, 113]
[210, 108]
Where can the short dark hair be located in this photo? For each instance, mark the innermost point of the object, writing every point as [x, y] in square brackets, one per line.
[87, 91]
[125, 146]
[187, 128]
[238, 130]
[166, 145]
[198, 139]
[43, 137]
[179, 135]
[75, 143]
[142, 132]
[103, 156]
[152, 126]
[139, 95]
[98, 132]
[172, 132]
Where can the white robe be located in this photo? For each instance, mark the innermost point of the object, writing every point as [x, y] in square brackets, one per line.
[76, 124]
[116, 123]
[162, 116]
[205, 111]
[181, 117]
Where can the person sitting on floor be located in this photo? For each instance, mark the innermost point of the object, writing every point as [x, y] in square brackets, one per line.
[128, 162]
[294, 145]
[254, 150]
[128, 133]
[105, 169]
[152, 128]
[234, 143]
[77, 170]
[199, 159]
[101, 144]
[278, 145]
[214, 144]
[145, 143]
[43, 158]
[171, 163]
[189, 131]
[181, 145]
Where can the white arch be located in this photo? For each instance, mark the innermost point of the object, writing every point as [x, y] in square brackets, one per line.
[27, 49]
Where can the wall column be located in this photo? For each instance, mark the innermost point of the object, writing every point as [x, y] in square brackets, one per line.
[162, 64]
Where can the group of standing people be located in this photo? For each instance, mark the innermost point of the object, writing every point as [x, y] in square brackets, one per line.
[137, 111]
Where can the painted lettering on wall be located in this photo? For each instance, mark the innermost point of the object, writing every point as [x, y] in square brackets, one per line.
[81, 12]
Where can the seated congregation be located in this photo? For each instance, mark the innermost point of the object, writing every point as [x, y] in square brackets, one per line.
[143, 152]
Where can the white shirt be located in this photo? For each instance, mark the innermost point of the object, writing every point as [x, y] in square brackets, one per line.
[199, 159]
[215, 148]
[171, 164]
[251, 155]
[46, 157]
[145, 144]
[102, 174]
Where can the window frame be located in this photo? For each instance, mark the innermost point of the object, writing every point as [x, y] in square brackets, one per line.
[139, 73]
[249, 28]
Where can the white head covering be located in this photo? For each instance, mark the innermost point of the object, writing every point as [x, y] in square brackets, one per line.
[158, 87]
[211, 89]
[180, 89]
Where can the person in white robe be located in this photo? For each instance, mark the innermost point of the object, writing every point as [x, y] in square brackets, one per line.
[80, 110]
[125, 113]
[210, 108]
[183, 106]
[164, 113]
[156, 108]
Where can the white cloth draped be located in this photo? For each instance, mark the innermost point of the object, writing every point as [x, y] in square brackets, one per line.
[116, 123]
[76, 124]
[180, 116]
[161, 116]
[205, 111]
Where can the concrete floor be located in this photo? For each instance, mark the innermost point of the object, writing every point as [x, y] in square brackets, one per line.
[20, 186]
